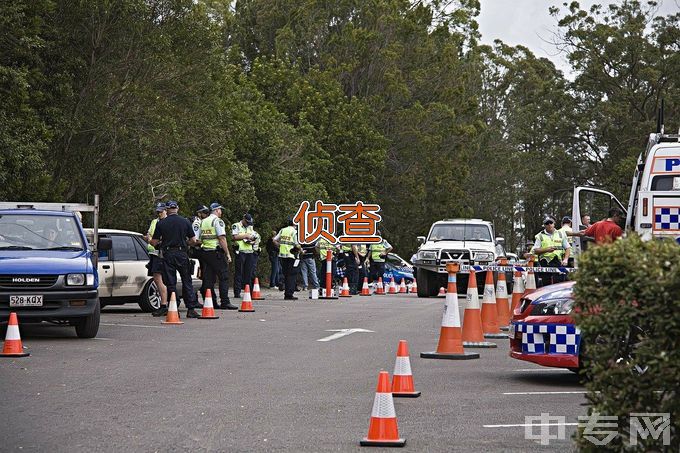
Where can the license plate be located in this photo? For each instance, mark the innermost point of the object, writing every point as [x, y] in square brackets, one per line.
[511, 331]
[25, 301]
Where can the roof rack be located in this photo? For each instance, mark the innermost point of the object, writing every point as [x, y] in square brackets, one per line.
[65, 207]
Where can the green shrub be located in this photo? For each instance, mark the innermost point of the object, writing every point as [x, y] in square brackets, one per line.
[631, 283]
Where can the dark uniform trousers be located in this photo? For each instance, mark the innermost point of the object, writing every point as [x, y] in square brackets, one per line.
[352, 269]
[377, 270]
[253, 268]
[215, 267]
[177, 261]
[321, 272]
[243, 272]
[548, 278]
[289, 276]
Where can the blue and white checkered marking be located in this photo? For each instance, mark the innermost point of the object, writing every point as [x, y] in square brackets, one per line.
[667, 218]
[562, 338]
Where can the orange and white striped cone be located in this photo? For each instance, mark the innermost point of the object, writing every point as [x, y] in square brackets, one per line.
[344, 290]
[380, 288]
[257, 294]
[531, 280]
[208, 311]
[402, 379]
[517, 290]
[13, 346]
[246, 302]
[502, 302]
[489, 311]
[365, 291]
[173, 315]
[402, 287]
[382, 429]
[450, 344]
[473, 333]
[414, 287]
[442, 292]
[327, 290]
[393, 287]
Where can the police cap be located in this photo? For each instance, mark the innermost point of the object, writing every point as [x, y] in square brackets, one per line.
[160, 207]
[248, 218]
[202, 208]
[215, 206]
[566, 219]
[548, 220]
[172, 204]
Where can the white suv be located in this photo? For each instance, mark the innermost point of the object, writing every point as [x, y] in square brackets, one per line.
[467, 241]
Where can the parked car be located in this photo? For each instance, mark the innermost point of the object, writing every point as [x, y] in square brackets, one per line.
[395, 266]
[123, 276]
[47, 268]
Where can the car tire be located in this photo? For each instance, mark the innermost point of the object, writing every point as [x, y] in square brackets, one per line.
[89, 326]
[427, 283]
[150, 299]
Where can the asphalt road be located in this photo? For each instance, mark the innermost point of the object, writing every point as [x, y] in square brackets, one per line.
[262, 382]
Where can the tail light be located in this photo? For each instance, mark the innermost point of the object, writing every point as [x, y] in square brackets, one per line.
[645, 207]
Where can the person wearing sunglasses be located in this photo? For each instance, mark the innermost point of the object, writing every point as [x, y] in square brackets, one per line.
[552, 249]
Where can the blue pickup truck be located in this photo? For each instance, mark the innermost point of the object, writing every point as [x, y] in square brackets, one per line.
[48, 270]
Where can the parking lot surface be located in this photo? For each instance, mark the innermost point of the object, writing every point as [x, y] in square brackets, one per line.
[263, 382]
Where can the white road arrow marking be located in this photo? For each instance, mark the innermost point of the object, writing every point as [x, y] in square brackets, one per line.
[341, 333]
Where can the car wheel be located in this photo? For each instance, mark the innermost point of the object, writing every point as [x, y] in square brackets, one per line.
[427, 283]
[150, 299]
[88, 327]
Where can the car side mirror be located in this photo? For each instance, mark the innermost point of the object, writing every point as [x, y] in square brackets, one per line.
[104, 244]
[421, 239]
[500, 240]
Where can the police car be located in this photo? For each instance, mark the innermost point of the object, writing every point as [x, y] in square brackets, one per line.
[542, 330]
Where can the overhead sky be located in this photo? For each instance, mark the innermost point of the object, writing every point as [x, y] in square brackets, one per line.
[527, 22]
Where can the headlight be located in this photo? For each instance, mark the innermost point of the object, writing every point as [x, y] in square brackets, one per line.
[553, 307]
[427, 255]
[75, 279]
[483, 256]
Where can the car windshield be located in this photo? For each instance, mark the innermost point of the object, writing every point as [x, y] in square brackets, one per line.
[39, 232]
[460, 232]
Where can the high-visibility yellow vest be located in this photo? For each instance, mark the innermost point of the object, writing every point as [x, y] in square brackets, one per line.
[324, 247]
[287, 241]
[209, 233]
[376, 251]
[553, 240]
[152, 229]
[243, 246]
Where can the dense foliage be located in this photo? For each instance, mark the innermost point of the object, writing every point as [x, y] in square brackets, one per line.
[263, 103]
[631, 286]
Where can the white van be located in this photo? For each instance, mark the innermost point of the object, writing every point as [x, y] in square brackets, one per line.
[654, 204]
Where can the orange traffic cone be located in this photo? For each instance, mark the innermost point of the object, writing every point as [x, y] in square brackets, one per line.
[380, 289]
[517, 290]
[531, 280]
[393, 287]
[402, 379]
[344, 290]
[502, 303]
[450, 344]
[382, 429]
[473, 334]
[208, 311]
[414, 287]
[13, 346]
[173, 315]
[257, 295]
[402, 287]
[364, 288]
[246, 302]
[442, 292]
[489, 311]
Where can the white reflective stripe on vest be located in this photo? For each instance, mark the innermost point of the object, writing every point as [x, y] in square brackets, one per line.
[472, 298]
[383, 406]
[12, 333]
[402, 367]
[451, 316]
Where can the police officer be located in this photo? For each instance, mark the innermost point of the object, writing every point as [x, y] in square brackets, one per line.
[242, 234]
[362, 252]
[174, 234]
[156, 264]
[378, 253]
[202, 211]
[553, 250]
[351, 261]
[216, 256]
[289, 246]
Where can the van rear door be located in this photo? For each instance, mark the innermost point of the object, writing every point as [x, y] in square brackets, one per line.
[658, 204]
[594, 203]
